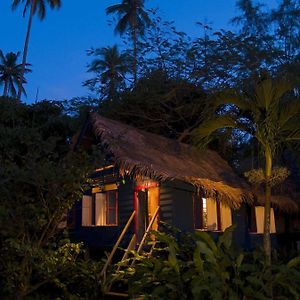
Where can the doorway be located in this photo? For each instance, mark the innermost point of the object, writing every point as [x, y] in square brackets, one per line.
[146, 203]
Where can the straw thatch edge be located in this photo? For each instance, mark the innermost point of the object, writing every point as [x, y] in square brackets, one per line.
[230, 196]
[281, 202]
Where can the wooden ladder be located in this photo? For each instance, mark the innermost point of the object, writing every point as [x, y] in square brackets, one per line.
[113, 251]
[144, 238]
[131, 246]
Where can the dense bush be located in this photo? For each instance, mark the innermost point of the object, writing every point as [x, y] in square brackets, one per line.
[40, 179]
[194, 266]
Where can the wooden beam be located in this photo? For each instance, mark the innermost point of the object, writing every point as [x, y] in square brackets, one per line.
[105, 188]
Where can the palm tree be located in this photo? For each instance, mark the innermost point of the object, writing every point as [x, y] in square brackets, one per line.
[133, 17]
[110, 67]
[34, 6]
[10, 73]
[270, 115]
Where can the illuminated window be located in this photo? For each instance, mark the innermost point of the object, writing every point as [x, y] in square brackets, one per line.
[256, 220]
[211, 215]
[100, 209]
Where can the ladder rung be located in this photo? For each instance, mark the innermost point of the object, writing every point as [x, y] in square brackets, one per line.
[117, 294]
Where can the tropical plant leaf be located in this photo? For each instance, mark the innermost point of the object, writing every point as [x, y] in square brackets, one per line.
[294, 262]
[226, 238]
[204, 236]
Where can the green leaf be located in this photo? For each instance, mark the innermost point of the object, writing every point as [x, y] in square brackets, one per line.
[172, 259]
[204, 236]
[226, 238]
[197, 259]
[209, 254]
[294, 262]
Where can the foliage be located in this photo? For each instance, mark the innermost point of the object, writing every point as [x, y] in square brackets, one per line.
[132, 17]
[39, 6]
[110, 68]
[164, 48]
[257, 176]
[210, 61]
[161, 105]
[10, 72]
[40, 179]
[269, 112]
[35, 7]
[194, 266]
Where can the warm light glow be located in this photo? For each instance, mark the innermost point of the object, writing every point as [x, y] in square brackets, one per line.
[204, 213]
[104, 168]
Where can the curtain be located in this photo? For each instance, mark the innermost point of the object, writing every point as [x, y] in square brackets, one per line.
[86, 211]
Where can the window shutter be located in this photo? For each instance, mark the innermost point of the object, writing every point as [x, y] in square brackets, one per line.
[211, 214]
[86, 211]
[226, 219]
[100, 209]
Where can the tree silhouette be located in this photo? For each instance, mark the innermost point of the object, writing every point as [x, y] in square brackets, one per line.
[34, 6]
[10, 73]
[131, 16]
[110, 67]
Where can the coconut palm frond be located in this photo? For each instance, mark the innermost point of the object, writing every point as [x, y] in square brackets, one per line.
[288, 111]
[292, 131]
[281, 88]
[202, 135]
[117, 8]
[145, 17]
[269, 93]
[122, 25]
[10, 72]
[264, 94]
[231, 97]
[41, 8]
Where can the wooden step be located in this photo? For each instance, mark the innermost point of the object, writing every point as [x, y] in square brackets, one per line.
[114, 295]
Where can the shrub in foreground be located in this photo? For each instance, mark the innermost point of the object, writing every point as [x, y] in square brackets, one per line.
[194, 266]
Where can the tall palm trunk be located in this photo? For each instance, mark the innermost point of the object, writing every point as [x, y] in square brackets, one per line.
[134, 39]
[134, 55]
[112, 90]
[5, 89]
[268, 173]
[25, 50]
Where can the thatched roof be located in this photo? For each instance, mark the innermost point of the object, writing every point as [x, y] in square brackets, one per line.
[282, 202]
[145, 154]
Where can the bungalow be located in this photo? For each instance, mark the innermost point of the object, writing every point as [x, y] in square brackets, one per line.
[148, 178]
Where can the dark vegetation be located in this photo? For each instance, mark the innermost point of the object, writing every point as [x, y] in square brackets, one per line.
[40, 180]
[194, 266]
[167, 83]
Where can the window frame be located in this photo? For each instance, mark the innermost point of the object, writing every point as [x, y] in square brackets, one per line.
[92, 209]
[108, 207]
[198, 214]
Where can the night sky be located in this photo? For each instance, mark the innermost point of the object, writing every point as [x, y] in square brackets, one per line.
[57, 49]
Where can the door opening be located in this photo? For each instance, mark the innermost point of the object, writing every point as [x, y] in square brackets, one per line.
[146, 203]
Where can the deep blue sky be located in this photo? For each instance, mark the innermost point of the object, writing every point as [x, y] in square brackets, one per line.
[58, 45]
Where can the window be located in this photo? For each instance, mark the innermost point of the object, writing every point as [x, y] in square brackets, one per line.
[211, 215]
[100, 209]
[256, 220]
